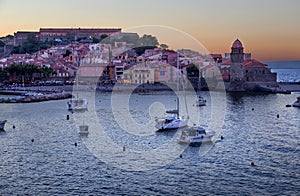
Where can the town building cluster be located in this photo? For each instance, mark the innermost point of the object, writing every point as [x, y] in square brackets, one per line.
[119, 62]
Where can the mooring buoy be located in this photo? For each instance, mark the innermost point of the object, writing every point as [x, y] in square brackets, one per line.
[252, 163]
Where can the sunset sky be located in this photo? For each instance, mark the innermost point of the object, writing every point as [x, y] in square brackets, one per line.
[269, 29]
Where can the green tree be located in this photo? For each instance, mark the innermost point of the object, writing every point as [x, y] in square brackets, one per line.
[192, 71]
[164, 46]
[96, 40]
[3, 74]
[15, 71]
[29, 70]
[103, 36]
[47, 71]
[2, 43]
[131, 39]
[148, 40]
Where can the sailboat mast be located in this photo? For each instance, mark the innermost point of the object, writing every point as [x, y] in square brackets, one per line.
[177, 77]
[199, 82]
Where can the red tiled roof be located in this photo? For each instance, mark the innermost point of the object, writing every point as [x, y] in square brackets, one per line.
[214, 56]
[247, 63]
[253, 63]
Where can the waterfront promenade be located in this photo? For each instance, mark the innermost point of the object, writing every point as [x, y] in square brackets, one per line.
[45, 93]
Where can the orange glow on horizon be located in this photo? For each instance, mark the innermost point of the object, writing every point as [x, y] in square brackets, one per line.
[269, 32]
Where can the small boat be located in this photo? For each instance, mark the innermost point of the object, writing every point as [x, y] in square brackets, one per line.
[195, 136]
[78, 104]
[200, 101]
[2, 125]
[83, 129]
[297, 103]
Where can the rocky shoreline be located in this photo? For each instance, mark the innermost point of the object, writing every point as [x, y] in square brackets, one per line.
[35, 97]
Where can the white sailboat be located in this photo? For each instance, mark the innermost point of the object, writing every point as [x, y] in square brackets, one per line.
[173, 120]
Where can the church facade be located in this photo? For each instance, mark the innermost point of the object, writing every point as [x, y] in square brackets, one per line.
[246, 74]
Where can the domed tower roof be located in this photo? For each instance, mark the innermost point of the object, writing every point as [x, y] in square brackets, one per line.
[237, 44]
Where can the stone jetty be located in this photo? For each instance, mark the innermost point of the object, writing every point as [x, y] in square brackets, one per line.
[36, 97]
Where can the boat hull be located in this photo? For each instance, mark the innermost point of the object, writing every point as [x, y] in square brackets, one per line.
[2, 125]
[196, 142]
[296, 104]
[175, 124]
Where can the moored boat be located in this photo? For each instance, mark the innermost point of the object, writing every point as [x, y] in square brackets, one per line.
[195, 136]
[78, 104]
[200, 101]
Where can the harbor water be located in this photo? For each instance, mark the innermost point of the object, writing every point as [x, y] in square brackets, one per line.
[43, 154]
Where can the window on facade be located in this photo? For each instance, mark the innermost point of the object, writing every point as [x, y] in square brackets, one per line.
[162, 73]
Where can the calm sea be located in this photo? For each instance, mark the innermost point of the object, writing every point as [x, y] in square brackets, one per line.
[287, 71]
[52, 164]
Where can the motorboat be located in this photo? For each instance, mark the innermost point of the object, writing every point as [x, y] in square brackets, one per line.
[200, 101]
[83, 129]
[78, 104]
[195, 136]
[171, 121]
[2, 125]
[297, 103]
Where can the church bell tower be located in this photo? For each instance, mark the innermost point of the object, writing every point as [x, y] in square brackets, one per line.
[237, 68]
